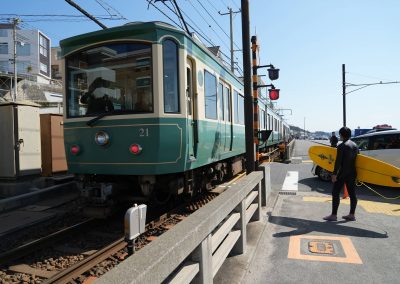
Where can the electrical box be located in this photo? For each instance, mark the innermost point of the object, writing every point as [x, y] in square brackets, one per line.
[135, 221]
[53, 151]
[20, 149]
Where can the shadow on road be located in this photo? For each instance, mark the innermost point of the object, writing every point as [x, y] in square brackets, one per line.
[303, 226]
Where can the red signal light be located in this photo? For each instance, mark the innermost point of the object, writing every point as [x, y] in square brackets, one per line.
[75, 150]
[273, 94]
[135, 149]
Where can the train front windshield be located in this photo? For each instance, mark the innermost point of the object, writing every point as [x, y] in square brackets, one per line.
[113, 78]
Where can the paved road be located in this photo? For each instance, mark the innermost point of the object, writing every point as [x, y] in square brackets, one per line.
[294, 245]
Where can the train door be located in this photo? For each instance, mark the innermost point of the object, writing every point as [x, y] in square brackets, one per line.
[228, 118]
[191, 109]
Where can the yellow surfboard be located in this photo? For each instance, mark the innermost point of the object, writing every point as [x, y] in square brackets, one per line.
[369, 170]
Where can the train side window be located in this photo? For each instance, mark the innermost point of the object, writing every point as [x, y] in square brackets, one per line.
[227, 102]
[189, 90]
[221, 101]
[210, 95]
[235, 106]
[171, 76]
[262, 119]
[240, 109]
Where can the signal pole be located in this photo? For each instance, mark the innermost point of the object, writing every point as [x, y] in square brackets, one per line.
[230, 13]
[248, 98]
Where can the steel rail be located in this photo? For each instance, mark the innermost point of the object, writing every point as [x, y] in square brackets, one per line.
[27, 248]
[86, 264]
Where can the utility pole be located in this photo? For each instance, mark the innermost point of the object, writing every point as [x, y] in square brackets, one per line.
[344, 93]
[230, 13]
[15, 23]
[304, 128]
[248, 98]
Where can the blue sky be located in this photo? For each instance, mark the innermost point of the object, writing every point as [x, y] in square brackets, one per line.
[308, 40]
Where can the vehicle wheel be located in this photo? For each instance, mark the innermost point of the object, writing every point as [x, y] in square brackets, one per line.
[323, 174]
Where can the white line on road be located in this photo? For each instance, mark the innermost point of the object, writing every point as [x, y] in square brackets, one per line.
[291, 181]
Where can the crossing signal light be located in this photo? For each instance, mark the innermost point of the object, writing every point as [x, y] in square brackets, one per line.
[273, 94]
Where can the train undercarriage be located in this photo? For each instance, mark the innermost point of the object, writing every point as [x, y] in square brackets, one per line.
[105, 192]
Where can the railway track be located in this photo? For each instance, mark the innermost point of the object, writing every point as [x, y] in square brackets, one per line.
[44, 266]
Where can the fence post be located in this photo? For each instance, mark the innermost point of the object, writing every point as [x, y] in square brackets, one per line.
[265, 183]
[202, 254]
[257, 214]
[240, 246]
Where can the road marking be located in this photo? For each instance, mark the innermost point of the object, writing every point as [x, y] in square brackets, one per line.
[369, 206]
[307, 161]
[291, 182]
[351, 255]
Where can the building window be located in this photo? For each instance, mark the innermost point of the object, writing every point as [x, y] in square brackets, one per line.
[23, 50]
[3, 48]
[210, 95]
[43, 45]
[3, 33]
[171, 76]
[43, 67]
[4, 66]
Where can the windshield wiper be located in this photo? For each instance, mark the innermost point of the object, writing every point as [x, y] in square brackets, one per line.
[100, 116]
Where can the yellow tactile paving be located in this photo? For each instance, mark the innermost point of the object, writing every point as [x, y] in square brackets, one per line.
[369, 206]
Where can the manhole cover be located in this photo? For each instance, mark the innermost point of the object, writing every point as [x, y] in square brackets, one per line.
[321, 247]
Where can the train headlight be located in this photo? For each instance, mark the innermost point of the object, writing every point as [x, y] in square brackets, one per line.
[102, 138]
[75, 150]
[135, 149]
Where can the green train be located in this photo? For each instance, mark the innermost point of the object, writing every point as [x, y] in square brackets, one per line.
[151, 111]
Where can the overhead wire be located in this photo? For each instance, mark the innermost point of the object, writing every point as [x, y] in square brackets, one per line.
[198, 30]
[103, 3]
[216, 22]
[201, 33]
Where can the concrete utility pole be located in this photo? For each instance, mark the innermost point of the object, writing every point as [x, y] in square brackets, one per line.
[248, 98]
[344, 92]
[230, 13]
[15, 23]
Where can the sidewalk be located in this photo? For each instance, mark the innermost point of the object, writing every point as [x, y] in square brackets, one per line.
[293, 244]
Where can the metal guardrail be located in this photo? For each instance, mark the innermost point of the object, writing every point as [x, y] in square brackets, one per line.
[197, 247]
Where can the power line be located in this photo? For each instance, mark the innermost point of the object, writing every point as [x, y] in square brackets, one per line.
[103, 4]
[216, 22]
[222, 41]
[201, 33]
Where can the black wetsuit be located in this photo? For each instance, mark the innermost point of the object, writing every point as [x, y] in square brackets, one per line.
[345, 169]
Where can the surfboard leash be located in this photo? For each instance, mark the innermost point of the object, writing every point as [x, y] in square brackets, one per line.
[360, 183]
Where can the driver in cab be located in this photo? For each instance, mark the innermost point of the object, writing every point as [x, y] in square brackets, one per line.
[94, 103]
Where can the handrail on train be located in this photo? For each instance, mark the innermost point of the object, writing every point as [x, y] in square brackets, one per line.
[196, 248]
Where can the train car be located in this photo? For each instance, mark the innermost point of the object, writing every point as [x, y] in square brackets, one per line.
[150, 110]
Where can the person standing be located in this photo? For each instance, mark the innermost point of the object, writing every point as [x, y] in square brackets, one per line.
[334, 140]
[344, 172]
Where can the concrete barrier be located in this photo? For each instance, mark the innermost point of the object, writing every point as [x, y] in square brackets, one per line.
[195, 249]
[290, 147]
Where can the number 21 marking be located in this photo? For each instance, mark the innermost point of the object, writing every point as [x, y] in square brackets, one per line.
[143, 132]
